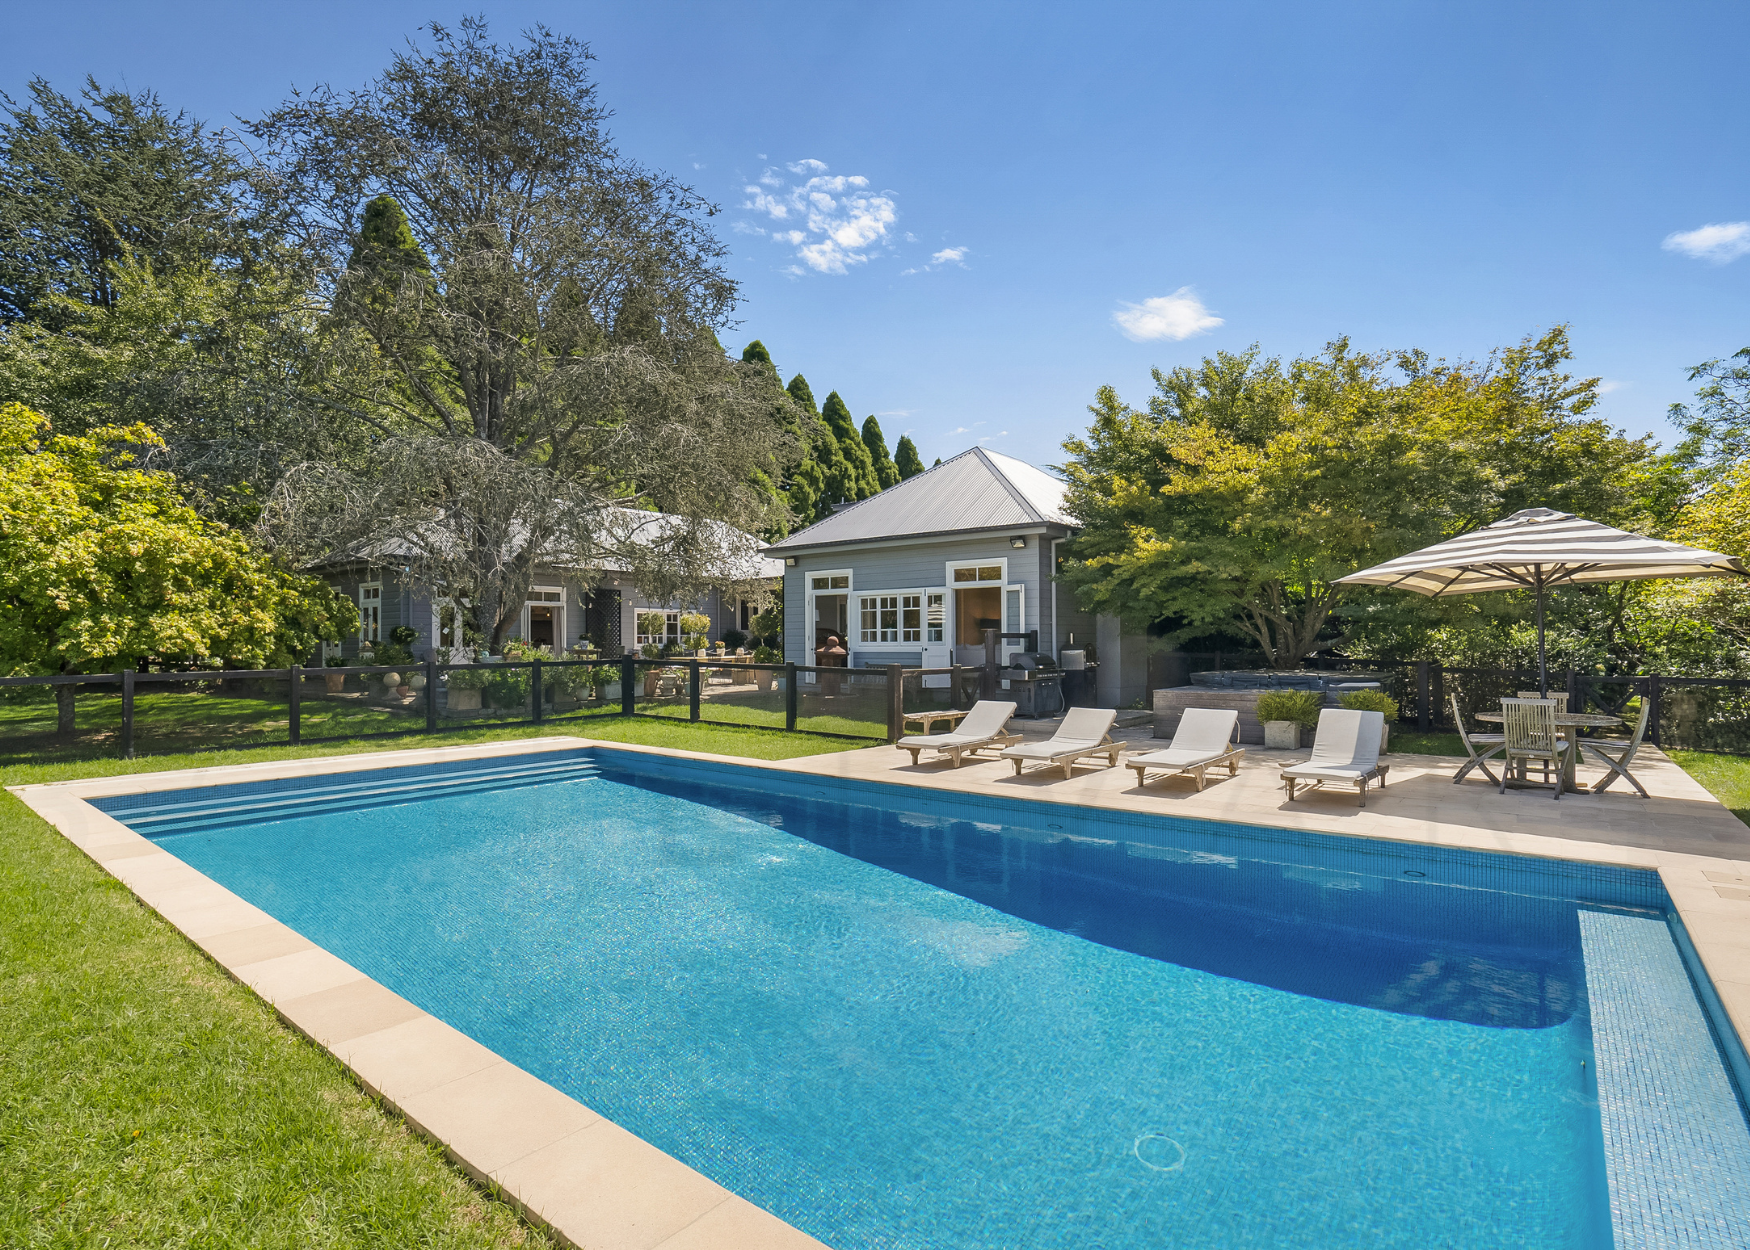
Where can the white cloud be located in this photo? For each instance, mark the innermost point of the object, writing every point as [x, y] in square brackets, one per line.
[950, 255]
[1607, 385]
[1180, 315]
[1720, 242]
[842, 223]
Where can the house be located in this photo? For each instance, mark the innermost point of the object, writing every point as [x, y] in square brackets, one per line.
[564, 606]
[915, 574]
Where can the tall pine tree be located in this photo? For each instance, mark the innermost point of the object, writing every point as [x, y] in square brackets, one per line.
[886, 474]
[838, 478]
[906, 458]
[860, 479]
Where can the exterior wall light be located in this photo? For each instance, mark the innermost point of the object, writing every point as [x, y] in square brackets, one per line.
[790, 561]
[1017, 543]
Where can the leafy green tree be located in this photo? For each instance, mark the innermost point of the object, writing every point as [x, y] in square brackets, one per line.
[1248, 486]
[906, 458]
[886, 472]
[103, 564]
[1717, 429]
[86, 183]
[557, 379]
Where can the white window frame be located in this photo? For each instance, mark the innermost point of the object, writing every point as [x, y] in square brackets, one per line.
[671, 626]
[370, 621]
[899, 640]
[532, 601]
[1000, 561]
[811, 620]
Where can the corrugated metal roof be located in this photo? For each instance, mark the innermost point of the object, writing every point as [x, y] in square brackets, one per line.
[976, 490]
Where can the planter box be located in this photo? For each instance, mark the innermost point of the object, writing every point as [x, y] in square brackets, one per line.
[611, 692]
[1281, 735]
[464, 700]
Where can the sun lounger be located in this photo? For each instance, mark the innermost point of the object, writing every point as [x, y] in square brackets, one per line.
[1205, 737]
[1085, 731]
[1345, 749]
[985, 728]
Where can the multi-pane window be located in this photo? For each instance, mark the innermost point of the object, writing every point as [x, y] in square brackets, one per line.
[911, 618]
[546, 596]
[830, 581]
[1012, 611]
[370, 614]
[979, 573]
[880, 618]
[935, 617]
[671, 629]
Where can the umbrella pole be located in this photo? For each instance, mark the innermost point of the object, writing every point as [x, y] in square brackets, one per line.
[1542, 670]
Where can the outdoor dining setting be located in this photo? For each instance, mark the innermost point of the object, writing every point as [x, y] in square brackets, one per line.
[1540, 549]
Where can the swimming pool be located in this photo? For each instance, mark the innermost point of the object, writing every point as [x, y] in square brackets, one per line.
[908, 1019]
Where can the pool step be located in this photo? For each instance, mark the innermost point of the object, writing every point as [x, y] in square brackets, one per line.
[359, 790]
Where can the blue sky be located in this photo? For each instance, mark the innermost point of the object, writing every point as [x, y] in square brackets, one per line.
[1021, 202]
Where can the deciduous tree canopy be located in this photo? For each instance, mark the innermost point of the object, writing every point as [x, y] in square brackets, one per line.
[1248, 485]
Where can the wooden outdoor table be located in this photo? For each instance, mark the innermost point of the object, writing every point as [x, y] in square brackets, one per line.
[929, 719]
[1572, 723]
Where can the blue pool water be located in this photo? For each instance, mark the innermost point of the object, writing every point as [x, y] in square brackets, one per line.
[902, 1019]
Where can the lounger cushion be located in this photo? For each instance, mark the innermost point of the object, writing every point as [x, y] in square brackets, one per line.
[1053, 749]
[1173, 757]
[1205, 730]
[985, 721]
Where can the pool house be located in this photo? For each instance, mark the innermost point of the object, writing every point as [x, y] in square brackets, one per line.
[916, 574]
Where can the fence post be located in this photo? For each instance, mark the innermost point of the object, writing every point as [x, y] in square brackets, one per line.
[431, 694]
[987, 686]
[535, 690]
[895, 702]
[294, 729]
[1572, 691]
[628, 678]
[1422, 691]
[789, 695]
[127, 713]
[1438, 688]
[693, 689]
[1653, 716]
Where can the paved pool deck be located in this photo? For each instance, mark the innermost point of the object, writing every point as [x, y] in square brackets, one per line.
[593, 1184]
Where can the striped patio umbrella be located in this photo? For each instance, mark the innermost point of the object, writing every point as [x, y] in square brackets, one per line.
[1536, 549]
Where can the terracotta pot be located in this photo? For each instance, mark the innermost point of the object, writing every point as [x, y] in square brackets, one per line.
[336, 682]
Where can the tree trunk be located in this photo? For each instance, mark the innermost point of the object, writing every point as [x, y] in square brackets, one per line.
[64, 713]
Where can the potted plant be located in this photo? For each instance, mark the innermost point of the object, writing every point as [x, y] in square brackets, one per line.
[651, 675]
[336, 682]
[765, 678]
[1374, 701]
[465, 685]
[1285, 713]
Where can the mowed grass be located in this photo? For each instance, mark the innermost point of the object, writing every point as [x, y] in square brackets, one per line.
[148, 1100]
[1727, 777]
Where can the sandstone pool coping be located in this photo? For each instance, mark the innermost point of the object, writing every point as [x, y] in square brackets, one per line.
[596, 1185]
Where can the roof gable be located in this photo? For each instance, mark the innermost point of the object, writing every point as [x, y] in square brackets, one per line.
[976, 490]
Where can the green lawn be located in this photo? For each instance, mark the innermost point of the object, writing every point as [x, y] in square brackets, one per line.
[148, 1100]
[1727, 777]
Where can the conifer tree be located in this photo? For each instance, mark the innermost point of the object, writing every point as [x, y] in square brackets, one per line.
[860, 479]
[826, 455]
[906, 458]
[886, 474]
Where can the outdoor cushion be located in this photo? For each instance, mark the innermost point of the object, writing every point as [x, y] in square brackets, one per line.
[985, 726]
[1345, 748]
[1084, 731]
[1204, 737]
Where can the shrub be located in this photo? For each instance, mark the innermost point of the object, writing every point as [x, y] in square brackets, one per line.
[335, 661]
[406, 635]
[468, 679]
[1371, 701]
[694, 623]
[765, 655]
[1300, 706]
[733, 638]
[653, 624]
